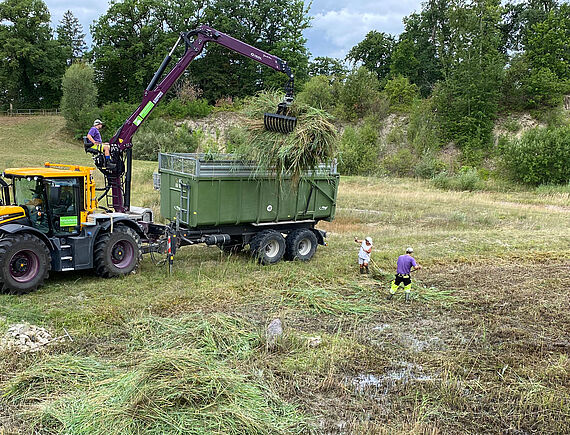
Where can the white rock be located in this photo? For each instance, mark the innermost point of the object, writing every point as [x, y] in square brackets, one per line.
[274, 331]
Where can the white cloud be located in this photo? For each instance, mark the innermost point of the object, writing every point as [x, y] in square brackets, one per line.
[338, 25]
[343, 28]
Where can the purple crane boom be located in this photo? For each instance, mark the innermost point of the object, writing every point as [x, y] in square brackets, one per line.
[122, 140]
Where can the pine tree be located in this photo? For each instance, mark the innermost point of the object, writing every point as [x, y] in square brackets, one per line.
[70, 35]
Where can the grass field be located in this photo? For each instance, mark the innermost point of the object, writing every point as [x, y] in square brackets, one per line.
[483, 347]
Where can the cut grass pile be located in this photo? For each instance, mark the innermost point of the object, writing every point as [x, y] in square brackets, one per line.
[313, 141]
[325, 301]
[217, 335]
[174, 378]
[174, 391]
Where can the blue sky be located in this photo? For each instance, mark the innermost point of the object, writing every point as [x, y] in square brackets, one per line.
[337, 25]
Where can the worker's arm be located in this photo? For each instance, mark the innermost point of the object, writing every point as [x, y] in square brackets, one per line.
[91, 139]
[357, 241]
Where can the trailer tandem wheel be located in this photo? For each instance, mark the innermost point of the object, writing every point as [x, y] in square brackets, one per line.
[301, 245]
[268, 246]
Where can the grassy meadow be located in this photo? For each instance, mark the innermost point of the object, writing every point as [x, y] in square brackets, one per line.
[483, 347]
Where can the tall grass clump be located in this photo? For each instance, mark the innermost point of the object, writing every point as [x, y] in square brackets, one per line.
[324, 301]
[313, 141]
[174, 391]
[467, 179]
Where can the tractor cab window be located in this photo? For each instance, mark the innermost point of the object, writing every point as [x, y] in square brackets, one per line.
[29, 194]
[63, 201]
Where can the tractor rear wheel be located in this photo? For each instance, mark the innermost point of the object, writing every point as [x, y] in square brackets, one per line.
[117, 253]
[301, 245]
[268, 246]
[24, 263]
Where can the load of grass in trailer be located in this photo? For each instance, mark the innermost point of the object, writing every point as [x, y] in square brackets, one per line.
[313, 141]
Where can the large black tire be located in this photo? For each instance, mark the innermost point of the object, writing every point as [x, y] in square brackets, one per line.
[300, 245]
[25, 263]
[117, 253]
[268, 246]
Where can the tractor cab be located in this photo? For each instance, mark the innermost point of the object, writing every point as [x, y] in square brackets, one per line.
[54, 200]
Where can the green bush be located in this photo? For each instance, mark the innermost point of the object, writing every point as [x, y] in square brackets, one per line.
[467, 179]
[429, 166]
[158, 135]
[543, 88]
[114, 116]
[359, 151]
[318, 92]
[551, 116]
[401, 163]
[541, 156]
[401, 93]
[423, 127]
[512, 125]
[79, 100]
[396, 135]
[359, 95]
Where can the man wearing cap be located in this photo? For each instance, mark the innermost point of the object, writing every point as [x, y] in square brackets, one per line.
[95, 138]
[406, 263]
[364, 253]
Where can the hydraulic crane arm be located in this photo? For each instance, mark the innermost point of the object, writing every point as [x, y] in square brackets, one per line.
[154, 93]
[194, 41]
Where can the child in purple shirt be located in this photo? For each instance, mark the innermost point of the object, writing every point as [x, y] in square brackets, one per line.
[406, 263]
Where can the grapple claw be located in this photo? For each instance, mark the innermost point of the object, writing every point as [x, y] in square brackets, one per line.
[279, 123]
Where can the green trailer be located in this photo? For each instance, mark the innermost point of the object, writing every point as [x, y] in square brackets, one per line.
[232, 204]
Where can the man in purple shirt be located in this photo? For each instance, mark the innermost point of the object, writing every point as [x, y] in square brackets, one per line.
[94, 136]
[406, 263]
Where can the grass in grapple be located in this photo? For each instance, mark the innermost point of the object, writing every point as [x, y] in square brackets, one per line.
[482, 348]
[313, 141]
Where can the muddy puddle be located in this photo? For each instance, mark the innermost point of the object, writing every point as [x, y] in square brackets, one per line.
[384, 383]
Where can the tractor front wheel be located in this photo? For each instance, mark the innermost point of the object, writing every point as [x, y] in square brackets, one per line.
[24, 263]
[117, 253]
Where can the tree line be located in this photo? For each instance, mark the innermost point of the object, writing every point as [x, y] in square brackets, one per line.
[130, 40]
[477, 54]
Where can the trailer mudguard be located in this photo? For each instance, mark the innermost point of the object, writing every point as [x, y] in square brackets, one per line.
[321, 236]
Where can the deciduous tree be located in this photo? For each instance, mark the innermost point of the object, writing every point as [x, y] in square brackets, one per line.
[468, 97]
[31, 61]
[374, 52]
